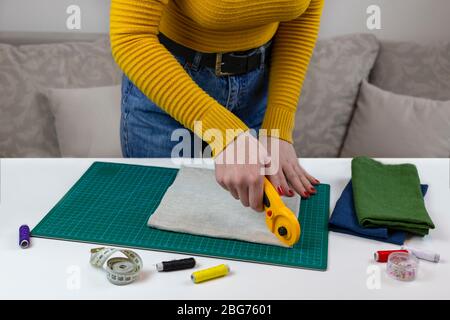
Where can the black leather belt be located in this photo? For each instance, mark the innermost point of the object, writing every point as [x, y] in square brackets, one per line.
[230, 63]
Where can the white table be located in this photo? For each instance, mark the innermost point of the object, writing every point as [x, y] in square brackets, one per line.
[61, 269]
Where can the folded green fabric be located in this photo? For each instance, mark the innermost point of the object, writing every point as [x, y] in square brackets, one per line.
[389, 196]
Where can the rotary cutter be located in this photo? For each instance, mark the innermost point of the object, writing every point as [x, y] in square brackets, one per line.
[280, 220]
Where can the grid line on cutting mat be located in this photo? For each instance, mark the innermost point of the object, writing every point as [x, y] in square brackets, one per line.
[111, 203]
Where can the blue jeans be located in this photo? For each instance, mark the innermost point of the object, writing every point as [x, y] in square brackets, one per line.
[146, 129]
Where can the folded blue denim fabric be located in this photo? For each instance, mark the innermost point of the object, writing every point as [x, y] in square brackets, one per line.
[344, 220]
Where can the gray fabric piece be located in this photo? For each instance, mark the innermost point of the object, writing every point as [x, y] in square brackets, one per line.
[196, 204]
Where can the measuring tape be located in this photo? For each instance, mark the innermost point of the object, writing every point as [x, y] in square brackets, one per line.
[119, 271]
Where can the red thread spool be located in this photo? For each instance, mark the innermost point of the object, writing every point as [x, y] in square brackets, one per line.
[382, 256]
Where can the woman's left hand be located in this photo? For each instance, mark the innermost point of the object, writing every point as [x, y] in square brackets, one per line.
[285, 172]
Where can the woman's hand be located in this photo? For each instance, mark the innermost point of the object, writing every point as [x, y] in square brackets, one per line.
[285, 173]
[240, 169]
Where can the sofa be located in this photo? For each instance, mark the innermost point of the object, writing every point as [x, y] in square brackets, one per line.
[361, 96]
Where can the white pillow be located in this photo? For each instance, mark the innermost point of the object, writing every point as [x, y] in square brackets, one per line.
[87, 121]
[397, 126]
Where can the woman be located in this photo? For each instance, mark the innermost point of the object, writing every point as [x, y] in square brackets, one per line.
[207, 61]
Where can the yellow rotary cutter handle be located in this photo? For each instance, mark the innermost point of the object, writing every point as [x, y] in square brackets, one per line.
[280, 220]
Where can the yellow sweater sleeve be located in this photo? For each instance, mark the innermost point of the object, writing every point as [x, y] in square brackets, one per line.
[292, 49]
[134, 26]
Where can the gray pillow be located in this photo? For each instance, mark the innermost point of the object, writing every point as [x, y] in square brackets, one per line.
[386, 124]
[87, 121]
[414, 69]
[70, 64]
[26, 124]
[330, 91]
[26, 127]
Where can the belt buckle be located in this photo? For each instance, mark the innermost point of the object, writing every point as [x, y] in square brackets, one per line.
[219, 63]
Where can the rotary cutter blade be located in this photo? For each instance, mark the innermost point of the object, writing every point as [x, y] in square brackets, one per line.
[280, 220]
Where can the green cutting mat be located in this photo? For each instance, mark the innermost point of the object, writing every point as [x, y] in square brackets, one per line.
[111, 203]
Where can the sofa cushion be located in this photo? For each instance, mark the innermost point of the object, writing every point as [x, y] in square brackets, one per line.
[26, 124]
[71, 64]
[386, 124]
[26, 127]
[87, 121]
[337, 68]
[414, 69]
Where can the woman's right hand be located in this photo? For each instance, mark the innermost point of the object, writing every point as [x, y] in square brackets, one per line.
[240, 169]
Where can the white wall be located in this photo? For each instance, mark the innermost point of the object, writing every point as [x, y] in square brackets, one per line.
[50, 15]
[419, 20]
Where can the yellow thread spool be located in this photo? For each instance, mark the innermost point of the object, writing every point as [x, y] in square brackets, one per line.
[211, 273]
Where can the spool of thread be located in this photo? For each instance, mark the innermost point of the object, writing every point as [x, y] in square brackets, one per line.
[24, 236]
[211, 273]
[402, 266]
[175, 265]
[382, 256]
[424, 255]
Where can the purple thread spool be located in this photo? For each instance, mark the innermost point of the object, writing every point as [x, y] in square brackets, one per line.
[24, 236]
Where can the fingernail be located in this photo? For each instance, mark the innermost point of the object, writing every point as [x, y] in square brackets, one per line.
[291, 193]
[306, 194]
[316, 181]
[313, 190]
[280, 191]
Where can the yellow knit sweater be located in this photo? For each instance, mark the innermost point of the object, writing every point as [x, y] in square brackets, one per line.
[215, 26]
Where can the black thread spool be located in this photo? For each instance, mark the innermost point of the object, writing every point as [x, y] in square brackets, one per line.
[175, 265]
